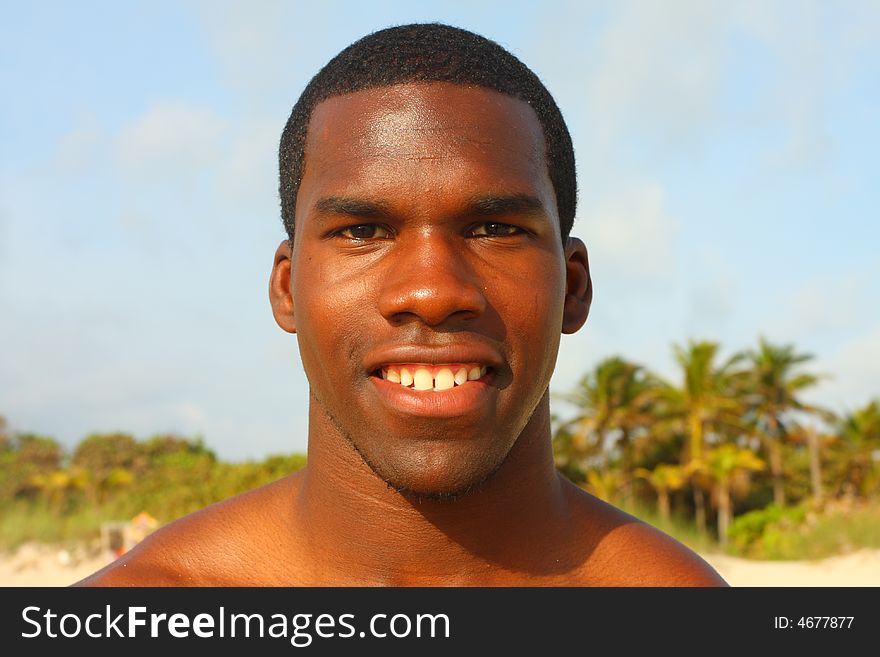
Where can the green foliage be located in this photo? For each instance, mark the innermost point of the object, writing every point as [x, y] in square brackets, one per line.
[112, 477]
[804, 532]
[748, 532]
[613, 400]
[860, 445]
[27, 460]
[739, 430]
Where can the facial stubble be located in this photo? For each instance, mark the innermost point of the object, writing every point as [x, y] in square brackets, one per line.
[408, 492]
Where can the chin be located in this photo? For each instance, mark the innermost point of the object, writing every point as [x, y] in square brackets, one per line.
[443, 476]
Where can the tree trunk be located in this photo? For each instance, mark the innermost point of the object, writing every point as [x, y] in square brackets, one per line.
[700, 509]
[776, 469]
[626, 466]
[603, 453]
[696, 431]
[663, 502]
[723, 513]
[815, 464]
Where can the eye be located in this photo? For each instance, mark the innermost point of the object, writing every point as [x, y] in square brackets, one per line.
[364, 232]
[495, 229]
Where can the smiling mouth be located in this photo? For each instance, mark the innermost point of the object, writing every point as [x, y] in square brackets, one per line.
[435, 378]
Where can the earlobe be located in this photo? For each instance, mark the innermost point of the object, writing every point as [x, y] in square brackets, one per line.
[280, 294]
[578, 286]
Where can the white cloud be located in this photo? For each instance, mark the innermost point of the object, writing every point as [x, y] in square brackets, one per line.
[79, 150]
[631, 235]
[713, 294]
[798, 42]
[177, 145]
[813, 48]
[171, 138]
[855, 370]
[823, 306]
[658, 71]
[257, 42]
[191, 415]
[248, 173]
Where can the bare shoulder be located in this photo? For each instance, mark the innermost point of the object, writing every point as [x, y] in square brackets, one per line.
[625, 551]
[222, 545]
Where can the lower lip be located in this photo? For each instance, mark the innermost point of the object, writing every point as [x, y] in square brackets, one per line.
[460, 400]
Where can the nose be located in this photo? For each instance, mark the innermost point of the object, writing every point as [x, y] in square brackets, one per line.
[430, 279]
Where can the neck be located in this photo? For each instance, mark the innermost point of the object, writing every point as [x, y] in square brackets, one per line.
[361, 531]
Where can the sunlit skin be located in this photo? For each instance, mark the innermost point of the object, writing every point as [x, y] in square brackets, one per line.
[426, 234]
[443, 224]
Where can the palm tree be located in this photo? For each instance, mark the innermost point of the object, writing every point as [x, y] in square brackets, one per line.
[604, 485]
[664, 478]
[816, 442]
[721, 464]
[27, 456]
[706, 401]
[100, 455]
[860, 431]
[614, 403]
[773, 393]
[57, 484]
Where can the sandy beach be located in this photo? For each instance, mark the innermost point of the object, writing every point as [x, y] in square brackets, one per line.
[40, 565]
[860, 568]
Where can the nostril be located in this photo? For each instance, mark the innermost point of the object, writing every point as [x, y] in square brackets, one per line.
[433, 298]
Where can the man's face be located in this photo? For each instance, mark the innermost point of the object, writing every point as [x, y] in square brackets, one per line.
[428, 278]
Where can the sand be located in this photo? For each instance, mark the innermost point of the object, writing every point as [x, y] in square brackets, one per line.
[860, 568]
[40, 565]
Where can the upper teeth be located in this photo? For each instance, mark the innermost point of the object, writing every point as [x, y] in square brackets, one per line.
[432, 377]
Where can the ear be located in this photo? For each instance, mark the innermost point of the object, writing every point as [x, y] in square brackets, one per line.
[578, 286]
[279, 288]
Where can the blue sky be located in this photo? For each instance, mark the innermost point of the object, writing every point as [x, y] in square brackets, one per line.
[728, 176]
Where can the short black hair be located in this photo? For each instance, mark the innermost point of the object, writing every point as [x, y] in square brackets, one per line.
[428, 52]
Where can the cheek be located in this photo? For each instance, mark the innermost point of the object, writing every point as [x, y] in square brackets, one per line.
[324, 292]
[329, 312]
[531, 306]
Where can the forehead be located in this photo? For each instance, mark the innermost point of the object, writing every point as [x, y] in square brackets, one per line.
[424, 137]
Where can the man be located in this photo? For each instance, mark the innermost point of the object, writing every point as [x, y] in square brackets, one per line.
[428, 191]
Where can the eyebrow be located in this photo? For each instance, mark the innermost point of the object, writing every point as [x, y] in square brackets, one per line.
[352, 206]
[487, 205]
[516, 204]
